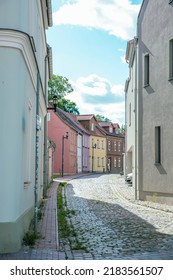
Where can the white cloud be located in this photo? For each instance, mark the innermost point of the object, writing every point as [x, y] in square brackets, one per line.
[118, 90]
[123, 59]
[92, 85]
[116, 17]
[89, 101]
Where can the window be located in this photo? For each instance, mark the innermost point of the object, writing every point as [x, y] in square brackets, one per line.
[130, 112]
[146, 70]
[103, 162]
[98, 162]
[102, 144]
[98, 144]
[115, 146]
[119, 146]
[115, 162]
[109, 145]
[110, 129]
[119, 162]
[92, 126]
[171, 59]
[157, 145]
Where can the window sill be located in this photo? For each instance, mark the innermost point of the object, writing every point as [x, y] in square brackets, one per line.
[157, 163]
[171, 78]
[171, 1]
[147, 85]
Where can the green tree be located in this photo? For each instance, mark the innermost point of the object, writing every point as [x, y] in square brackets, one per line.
[122, 129]
[68, 106]
[102, 118]
[61, 86]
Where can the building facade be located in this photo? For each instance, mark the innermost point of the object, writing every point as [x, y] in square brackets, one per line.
[24, 73]
[131, 120]
[114, 142]
[155, 88]
[97, 149]
[65, 156]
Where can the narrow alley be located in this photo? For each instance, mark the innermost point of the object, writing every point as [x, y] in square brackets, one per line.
[112, 226]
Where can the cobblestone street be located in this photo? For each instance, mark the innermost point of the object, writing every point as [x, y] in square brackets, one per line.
[112, 227]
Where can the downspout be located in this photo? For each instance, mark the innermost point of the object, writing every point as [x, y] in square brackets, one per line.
[36, 155]
[45, 179]
[136, 123]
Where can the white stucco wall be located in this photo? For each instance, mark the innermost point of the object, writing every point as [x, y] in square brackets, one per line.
[155, 31]
[20, 20]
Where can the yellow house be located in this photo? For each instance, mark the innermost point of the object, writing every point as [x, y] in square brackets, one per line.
[98, 153]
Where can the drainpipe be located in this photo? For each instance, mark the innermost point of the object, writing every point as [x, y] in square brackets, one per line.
[136, 124]
[45, 180]
[36, 155]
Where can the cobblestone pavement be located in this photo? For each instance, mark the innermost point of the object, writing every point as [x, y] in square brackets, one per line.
[108, 222]
[111, 225]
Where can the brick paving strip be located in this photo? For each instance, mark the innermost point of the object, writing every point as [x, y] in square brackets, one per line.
[46, 247]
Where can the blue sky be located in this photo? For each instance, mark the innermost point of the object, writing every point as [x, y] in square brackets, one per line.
[88, 40]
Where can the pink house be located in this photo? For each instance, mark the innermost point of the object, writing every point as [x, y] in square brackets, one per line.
[65, 159]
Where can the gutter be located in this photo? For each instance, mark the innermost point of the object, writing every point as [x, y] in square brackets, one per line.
[136, 115]
[49, 12]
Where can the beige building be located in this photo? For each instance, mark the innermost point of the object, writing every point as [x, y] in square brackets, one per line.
[155, 88]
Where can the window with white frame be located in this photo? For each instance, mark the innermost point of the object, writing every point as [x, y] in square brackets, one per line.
[109, 145]
[119, 146]
[115, 162]
[98, 144]
[115, 146]
[110, 129]
[92, 126]
[103, 162]
[119, 162]
[102, 144]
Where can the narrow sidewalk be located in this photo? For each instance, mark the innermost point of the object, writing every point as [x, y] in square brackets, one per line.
[46, 248]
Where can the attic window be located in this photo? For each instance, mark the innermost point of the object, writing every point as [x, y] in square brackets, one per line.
[110, 129]
[92, 126]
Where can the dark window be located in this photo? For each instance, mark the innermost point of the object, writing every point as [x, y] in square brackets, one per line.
[157, 144]
[146, 70]
[171, 59]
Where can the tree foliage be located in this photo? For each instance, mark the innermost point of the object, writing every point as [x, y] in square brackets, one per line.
[102, 118]
[61, 86]
[68, 106]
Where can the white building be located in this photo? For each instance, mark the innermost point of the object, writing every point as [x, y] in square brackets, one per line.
[24, 72]
[155, 87]
[131, 99]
